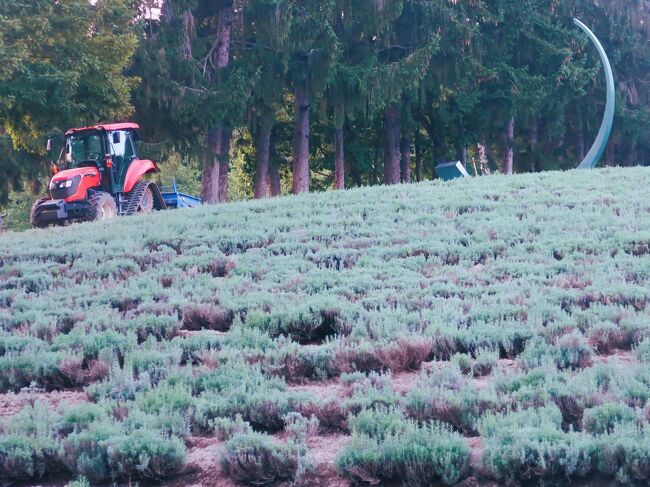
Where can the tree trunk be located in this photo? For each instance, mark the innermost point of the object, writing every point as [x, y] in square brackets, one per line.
[224, 33]
[418, 157]
[560, 145]
[339, 160]
[263, 149]
[214, 149]
[301, 143]
[405, 160]
[581, 137]
[534, 136]
[510, 153]
[355, 175]
[211, 166]
[224, 165]
[274, 169]
[392, 152]
[376, 176]
[483, 159]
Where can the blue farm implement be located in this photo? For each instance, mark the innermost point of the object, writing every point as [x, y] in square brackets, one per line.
[175, 199]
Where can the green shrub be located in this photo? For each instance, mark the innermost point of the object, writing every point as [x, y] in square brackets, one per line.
[570, 351]
[85, 453]
[463, 361]
[79, 417]
[530, 446]
[156, 364]
[300, 428]
[237, 389]
[166, 397]
[121, 385]
[254, 459]
[642, 350]
[226, 428]
[378, 423]
[485, 361]
[416, 455]
[369, 391]
[625, 454]
[28, 443]
[603, 419]
[79, 482]
[144, 454]
[27, 458]
[447, 397]
[18, 370]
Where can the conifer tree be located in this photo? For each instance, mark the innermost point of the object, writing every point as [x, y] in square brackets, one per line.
[312, 47]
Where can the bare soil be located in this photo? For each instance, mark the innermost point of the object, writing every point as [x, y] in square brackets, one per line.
[324, 450]
[11, 403]
[617, 357]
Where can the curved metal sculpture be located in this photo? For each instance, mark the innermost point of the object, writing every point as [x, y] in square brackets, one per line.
[596, 152]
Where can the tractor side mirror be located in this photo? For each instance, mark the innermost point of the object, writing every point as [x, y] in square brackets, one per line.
[48, 146]
[116, 138]
[54, 167]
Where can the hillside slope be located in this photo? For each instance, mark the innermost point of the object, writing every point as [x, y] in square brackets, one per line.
[496, 327]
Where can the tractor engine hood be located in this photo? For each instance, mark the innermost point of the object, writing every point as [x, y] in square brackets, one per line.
[71, 173]
[73, 184]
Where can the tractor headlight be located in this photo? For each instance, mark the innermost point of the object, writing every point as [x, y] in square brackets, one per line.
[61, 184]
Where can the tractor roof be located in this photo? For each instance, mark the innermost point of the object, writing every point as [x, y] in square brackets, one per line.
[106, 126]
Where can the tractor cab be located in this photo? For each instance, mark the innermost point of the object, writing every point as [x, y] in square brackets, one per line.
[109, 148]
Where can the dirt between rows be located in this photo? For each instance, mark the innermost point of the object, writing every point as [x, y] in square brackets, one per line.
[11, 403]
[402, 382]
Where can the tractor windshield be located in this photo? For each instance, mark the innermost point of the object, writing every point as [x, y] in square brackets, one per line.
[84, 149]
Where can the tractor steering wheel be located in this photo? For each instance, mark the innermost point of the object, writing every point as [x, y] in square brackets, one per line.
[91, 161]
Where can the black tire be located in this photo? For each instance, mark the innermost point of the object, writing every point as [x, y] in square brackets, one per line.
[102, 206]
[35, 213]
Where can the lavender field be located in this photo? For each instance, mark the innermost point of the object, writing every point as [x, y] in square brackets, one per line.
[487, 331]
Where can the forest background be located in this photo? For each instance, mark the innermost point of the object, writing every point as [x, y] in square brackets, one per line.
[257, 98]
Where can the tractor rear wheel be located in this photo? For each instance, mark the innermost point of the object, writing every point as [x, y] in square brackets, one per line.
[146, 203]
[102, 206]
[35, 213]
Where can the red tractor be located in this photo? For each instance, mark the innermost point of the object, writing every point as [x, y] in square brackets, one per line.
[98, 176]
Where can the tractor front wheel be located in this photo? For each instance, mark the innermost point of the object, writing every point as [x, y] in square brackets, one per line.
[35, 213]
[102, 206]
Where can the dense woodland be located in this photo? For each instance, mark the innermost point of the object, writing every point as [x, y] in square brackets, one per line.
[293, 95]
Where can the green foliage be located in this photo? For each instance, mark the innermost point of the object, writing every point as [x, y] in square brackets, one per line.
[253, 458]
[569, 352]
[446, 396]
[536, 448]
[79, 482]
[486, 360]
[24, 458]
[415, 454]
[642, 350]
[604, 419]
[144, 454]
[625, 454]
